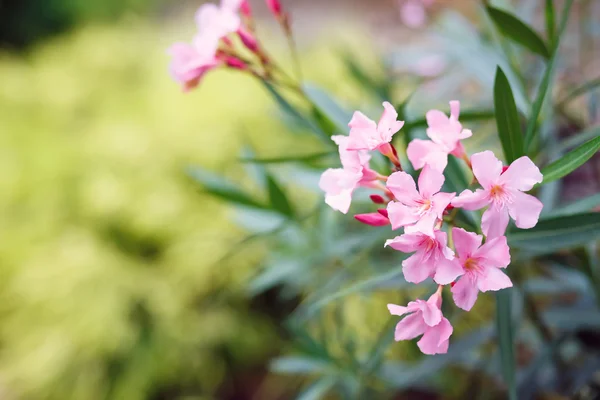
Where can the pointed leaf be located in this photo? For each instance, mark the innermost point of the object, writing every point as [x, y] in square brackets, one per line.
[584, 88]
[218, 186]
[578, 206]
[317, 390]
[286, 159]
[571, 161]
[517, 31]
[505, 332]
[328, 107]
[277, 197]
[298, 365]
[553, 234]
[550, 21]
[507, 118]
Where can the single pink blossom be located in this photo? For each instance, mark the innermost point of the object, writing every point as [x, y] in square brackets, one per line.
[365, 134]
[432, 258]
[425, 318]
[190, 62]
[445, 134]
[503, 192]
[219, 21]
[417, 210]
[339, 183]
[373, 219]
[481, 266]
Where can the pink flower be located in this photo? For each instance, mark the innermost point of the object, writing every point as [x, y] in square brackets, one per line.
[218, 21]
[413, 13]
[373, 219]
[432, 258]
[503, 192]
[190, 62]
[425, 318]
[481, 266]
[419, 209]
[339, 183]
[365, 134]
[445, 134]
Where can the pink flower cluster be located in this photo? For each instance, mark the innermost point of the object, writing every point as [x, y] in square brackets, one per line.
[422, 208]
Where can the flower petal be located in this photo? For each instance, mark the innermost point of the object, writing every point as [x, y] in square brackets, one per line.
[410, 327]
[446, 271]
[432, 314]
[465, 292]
[397, 310]
[495, 252]
[493, 279]
[406, 243]
[403, 187]
[471, 200]
[522, 174]
[455, 109]
[494, 222]
[400, 215]
[435, 339]
[363, 132]
[525, 210]
[440, 202]
[425, 152]
[415, 270]
[486, 168]
[430, 182]
[465, 243]
[388, 124]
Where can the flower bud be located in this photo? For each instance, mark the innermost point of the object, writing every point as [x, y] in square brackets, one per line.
[235, 63]
[377, 199]
[275, 7]
[245, 9]
[383, 212]
[373, 219]
[248, 40]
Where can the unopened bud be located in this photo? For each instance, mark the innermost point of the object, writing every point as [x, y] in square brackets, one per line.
[248, 40]
[275, 7]
[504, 168]
[245, 9]
[235, 63]
[373, 219]
[383, 212]
[377, 199]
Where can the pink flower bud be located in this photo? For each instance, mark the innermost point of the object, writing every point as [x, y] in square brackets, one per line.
[235, 63]
[373, 219]
[377, 199]
[245, 9]
[383, 212]
[275, 7]
[248, 40]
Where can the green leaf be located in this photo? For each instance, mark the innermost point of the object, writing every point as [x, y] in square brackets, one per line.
[578, 206]
[578, 139]
[292, 365]
[550, 21]
[541, 94]
[518, 31]
[553, 234]
[329, 107]
[507, 118]
[505, 332]
[317, 390]
[220, 187]
[277, 197]
[294, 113]
[286, 159]
[570, 161]
[586, 87]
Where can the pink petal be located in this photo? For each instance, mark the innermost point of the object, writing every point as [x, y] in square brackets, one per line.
[465, 243]
[465, 292]
[455, 109]
[441, 201]
[406, 243]
[373, 219]
[525, 210]
[494, 222]
[361, 121]
[495, 252]
[400, 215]
[522, 174]
[388, 124]
[424, 224]
[410, 327]
[338, 186]
[493, 279]
[435, 339]
[446, 271]
[415, 270]
[436, 119]
[403, 187]
[412, 13]
[430, 182]
[432, 315]
[397, 310]
[486, 168]
[425, 152]
[471, 200]
[363, 133]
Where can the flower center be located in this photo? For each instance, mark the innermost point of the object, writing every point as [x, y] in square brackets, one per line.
[500, 196]
[424, 206]
[471, 265]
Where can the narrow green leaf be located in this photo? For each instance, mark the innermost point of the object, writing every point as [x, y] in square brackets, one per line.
[505, 332]
[328, 106]
[465, 116]
[578, 206]
[570, 161]
[550, 21]
[317, 390]
[287, 159]
[578, 91]
[277, 197]
[507, 118]
[541, 94]
[557, 233]
[578, 139]
[220, 187]
[517, 31]
[292, 365]
[294, 113]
